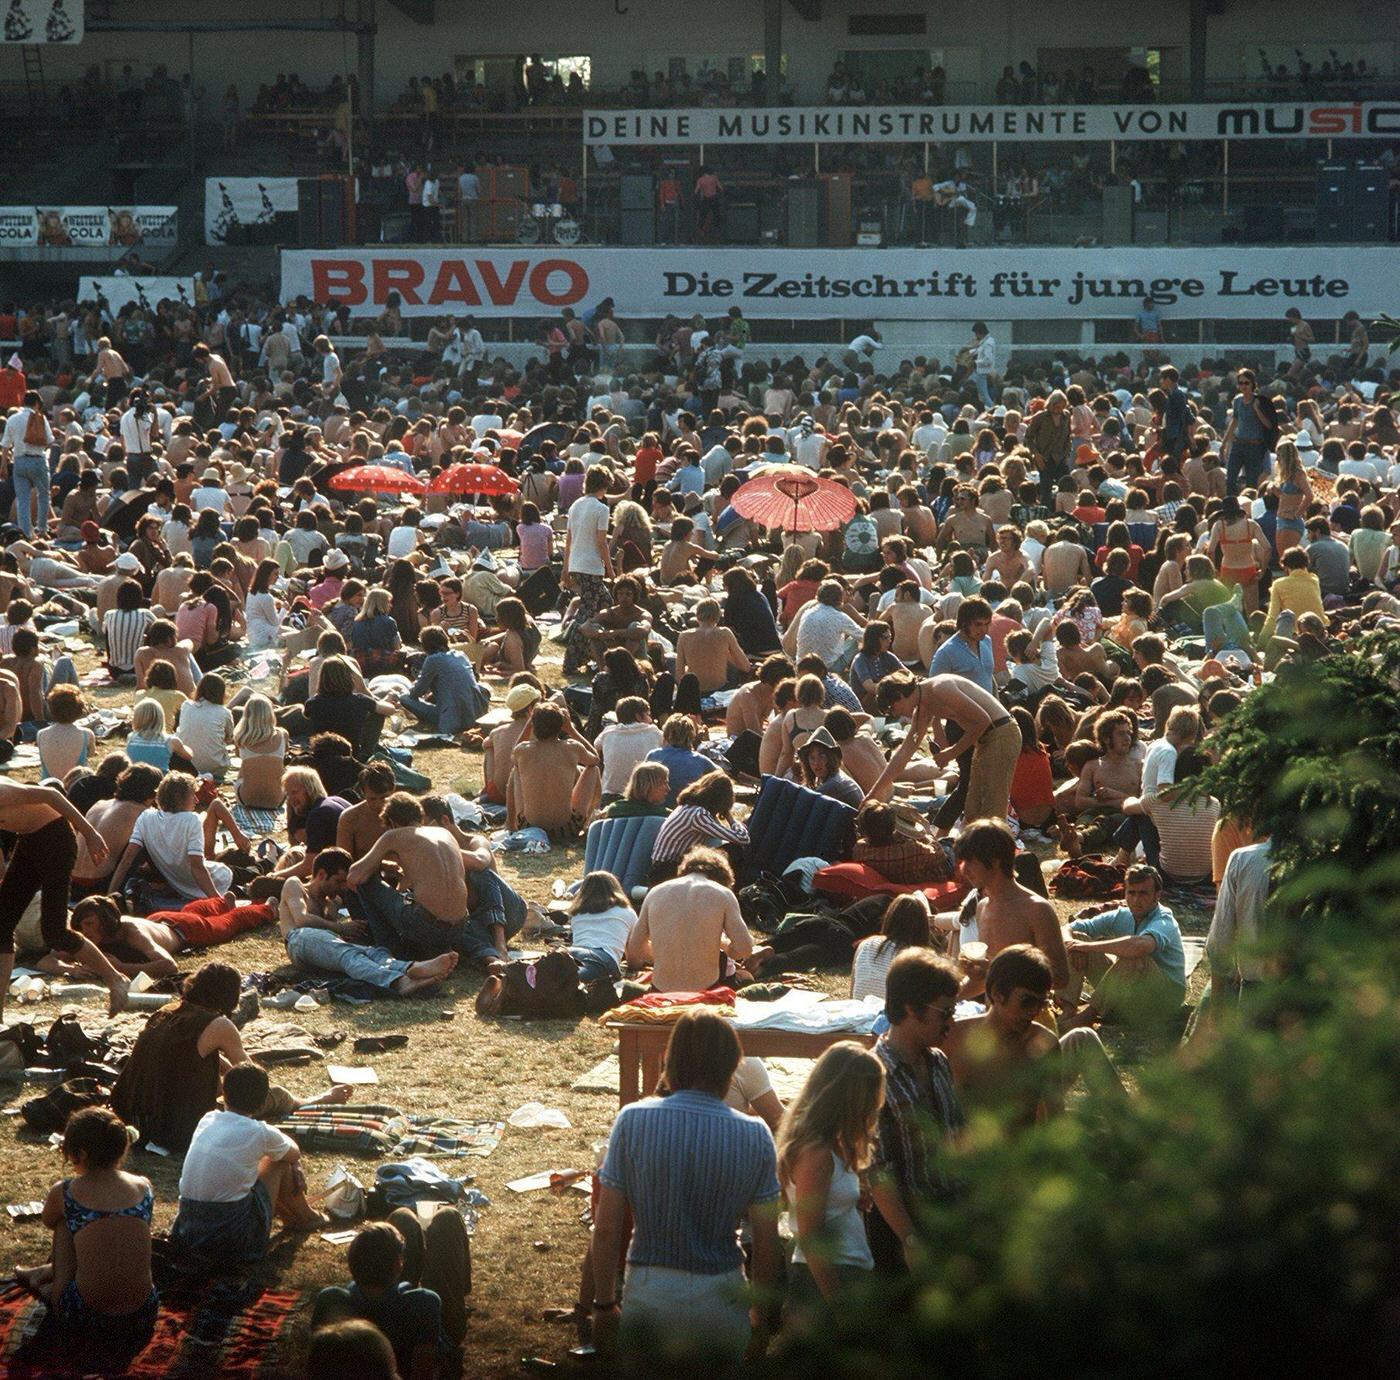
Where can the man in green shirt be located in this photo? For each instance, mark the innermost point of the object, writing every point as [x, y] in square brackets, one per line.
[1200, 592]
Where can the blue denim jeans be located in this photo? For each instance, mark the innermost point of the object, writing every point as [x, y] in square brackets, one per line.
[31, 475]
[397, 923]
[984, 392]
[425, 711]
[315, 948]
[595, 965]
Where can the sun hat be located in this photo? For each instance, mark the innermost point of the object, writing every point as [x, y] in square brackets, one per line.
[520, 697]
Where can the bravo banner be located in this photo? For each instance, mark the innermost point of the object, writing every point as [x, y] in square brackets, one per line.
[858, 284]
[43, 21]
[244, 210]
[975, 124]
[77, 227]
[118, 291]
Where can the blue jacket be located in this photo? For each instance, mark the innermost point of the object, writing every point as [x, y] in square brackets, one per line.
[448, 679]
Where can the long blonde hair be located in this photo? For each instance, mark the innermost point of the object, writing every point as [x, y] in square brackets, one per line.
[791, 562]
[1290, 463]
[258, 724]
[377, 601]
[836, 1109]
[628, 515]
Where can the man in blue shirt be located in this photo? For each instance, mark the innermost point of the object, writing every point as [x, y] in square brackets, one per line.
[1248, 434]
[446, 697]
[968, 653]
[1133, 955]
[689, 1167]
[388, 1262]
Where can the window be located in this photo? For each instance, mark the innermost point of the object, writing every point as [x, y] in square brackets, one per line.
[502, 72]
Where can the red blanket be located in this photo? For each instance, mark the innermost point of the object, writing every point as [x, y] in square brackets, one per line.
[209, 1330]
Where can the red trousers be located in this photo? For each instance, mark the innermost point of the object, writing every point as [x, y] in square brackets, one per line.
[214, 920]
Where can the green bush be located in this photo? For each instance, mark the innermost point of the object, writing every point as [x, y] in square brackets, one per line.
[1241, 1213]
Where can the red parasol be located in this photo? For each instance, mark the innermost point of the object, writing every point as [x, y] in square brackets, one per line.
[490, 480]
[796, 500]
[377, 479]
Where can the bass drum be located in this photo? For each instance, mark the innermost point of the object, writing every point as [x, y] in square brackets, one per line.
[528, 231]
[567, 231]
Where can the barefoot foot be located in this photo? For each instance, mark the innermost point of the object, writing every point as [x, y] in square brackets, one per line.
[423, 976]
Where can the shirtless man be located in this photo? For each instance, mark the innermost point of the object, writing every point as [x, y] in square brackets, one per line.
[624, 624]
[906, 616]
[676, 563]
[172, 585]
[1006, 912]
[690, 929]
[358, 828]
[1108, 781]
[112, 370]
[966, 526]
[554, 783]
[708, 651]
[28, 669]
[163, 644]
[221, 389]
[115, 819]
[1075, 656]
[1008, 1056]
[11, 706]
[317, 938]
[920, 525]
[41, 862]
[861, 755]
[987, 729]
[458, 901]
[1065, 563]
[497, 762]
[753, 703]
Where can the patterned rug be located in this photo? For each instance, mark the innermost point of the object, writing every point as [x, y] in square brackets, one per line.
[224, 1329]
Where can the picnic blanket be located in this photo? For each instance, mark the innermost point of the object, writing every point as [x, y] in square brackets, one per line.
[230, 1329]
[386, 1131]
[257, 823]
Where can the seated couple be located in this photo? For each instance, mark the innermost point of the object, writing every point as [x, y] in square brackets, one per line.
[458, 903]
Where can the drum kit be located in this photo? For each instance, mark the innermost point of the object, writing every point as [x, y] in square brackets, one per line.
[548, 223]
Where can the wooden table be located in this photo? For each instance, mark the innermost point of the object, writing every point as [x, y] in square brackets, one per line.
[642, 1050]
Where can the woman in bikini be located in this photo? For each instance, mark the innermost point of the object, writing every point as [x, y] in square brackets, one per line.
[98, 1283]
[1295, 496]
[1238, 545]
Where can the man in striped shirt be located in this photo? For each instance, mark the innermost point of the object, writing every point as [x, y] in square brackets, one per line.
[690, 1168]
[921, 1112]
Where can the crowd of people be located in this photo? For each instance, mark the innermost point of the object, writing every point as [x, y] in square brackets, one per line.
[1051, 588]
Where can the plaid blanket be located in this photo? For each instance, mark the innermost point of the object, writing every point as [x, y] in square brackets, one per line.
[257, 823]
[386, 1131]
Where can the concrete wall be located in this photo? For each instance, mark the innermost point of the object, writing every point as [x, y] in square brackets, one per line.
[978, 37]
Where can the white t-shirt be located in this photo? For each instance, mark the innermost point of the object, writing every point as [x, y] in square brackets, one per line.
[749, 1083]
[622, 747]
[1158, 767]
[864, 345]
[171, 841]
[486, 421]
[403, 541]
[825, 631]
[209, 497]
[136, 432]
[607, 929]
[330, 367]
[588, 517]
[928, 437]
[872, 962]
[221, 1165]
[207, 730]
[1036, 677]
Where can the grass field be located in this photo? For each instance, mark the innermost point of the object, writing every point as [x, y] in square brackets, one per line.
[527, 1248]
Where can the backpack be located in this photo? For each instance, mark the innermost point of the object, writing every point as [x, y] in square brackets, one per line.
[50, 1111]
[546, 989]
[36, 431]
[860, 548]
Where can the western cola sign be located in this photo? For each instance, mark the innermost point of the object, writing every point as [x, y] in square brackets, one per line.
[850, 284]
[984, 124]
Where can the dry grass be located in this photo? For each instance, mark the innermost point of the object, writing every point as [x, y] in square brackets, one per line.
[527, 1248]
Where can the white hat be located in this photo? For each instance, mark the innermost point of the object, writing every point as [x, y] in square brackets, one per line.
[1304, 441]
[335, 560]
[485, 560]
[212, 476]
[126, 561]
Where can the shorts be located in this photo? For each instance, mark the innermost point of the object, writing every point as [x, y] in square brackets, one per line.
[1292, 525]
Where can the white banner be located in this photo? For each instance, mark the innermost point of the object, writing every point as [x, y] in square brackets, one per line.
[76, 227]
[854, 284]
[119, 291]
[974, 124]
[236, 206]
[43, 21]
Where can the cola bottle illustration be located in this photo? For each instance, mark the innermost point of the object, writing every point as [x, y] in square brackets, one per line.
[59, 28]
[17, 25]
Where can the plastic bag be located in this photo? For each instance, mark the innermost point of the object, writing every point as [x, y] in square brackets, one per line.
[344, 1198]
[534, 1115]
